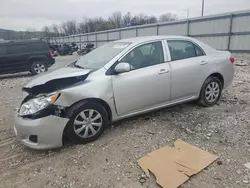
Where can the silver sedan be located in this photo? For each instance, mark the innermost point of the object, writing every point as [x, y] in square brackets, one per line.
[118, 80]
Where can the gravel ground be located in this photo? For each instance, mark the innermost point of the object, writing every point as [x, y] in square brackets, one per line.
[111, 161]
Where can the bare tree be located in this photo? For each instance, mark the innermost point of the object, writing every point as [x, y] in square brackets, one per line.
[60, 29]
[102, 24]
[141, 19]
[82, 26]
[64, 29]
[152, 19]
[55, 29]
[127, 19]
[168, 17]
[99, 23]
[105, 25]
[30, 33]
[69, 27]
[116, 19]
[135, 20]
[91, 25]
[46, 31]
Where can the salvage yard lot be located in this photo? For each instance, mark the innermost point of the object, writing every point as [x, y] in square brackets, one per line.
[110, 161]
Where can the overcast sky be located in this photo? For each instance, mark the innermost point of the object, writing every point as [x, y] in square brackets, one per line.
[23, 14]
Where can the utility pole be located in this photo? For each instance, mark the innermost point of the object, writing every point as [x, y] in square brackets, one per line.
[202, 11]
[187, 13]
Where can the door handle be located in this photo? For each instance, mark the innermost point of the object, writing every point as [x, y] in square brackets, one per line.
[163, 71]
[203, 63]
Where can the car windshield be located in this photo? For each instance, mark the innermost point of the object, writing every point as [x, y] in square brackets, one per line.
[101, 56]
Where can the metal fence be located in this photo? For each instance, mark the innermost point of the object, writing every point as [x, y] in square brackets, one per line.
[230, 31]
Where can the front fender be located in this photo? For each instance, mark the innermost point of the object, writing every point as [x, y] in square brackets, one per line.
[99, 89]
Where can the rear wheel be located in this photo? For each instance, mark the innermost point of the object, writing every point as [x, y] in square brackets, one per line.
[87, 123]
[210, 92]
[38, 67]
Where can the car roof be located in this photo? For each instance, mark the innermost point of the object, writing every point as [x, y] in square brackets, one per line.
[137, 40]
[20, 41]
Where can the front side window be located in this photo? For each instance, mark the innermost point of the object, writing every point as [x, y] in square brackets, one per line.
[183, 50]
[145, 55]
[17, 49]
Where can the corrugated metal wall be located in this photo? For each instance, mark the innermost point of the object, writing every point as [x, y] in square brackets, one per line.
[229, 31]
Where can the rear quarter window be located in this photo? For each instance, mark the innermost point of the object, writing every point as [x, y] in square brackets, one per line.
[3, 50]
[37, 47]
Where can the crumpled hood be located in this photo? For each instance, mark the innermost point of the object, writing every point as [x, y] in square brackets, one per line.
[56, 74]
[55, 80]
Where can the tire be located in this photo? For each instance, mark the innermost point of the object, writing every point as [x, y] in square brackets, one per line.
[72, 127]
[210, 92]
[35, 67]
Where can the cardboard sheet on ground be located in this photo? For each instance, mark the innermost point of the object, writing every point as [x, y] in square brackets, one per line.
[247, 165]
[172, 166]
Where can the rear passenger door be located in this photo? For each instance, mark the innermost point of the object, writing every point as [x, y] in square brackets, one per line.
[38, 50]
[17, 59]
[188, 68]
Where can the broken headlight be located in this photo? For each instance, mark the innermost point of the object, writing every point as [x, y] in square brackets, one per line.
[35, 105]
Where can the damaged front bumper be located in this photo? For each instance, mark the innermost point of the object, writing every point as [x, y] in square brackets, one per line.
[44, 129]
[43, 133]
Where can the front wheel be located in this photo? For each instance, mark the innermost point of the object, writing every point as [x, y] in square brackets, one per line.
[210, 92]
[87, 123]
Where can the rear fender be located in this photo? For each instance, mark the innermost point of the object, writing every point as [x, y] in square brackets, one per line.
[33, 59]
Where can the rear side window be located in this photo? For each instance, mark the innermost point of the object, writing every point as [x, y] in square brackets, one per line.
[3, 50]
[183, 50]
[36, 46]
[17, 49]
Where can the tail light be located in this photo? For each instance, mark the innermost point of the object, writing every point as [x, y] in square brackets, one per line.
[232, 59]
[51, 54]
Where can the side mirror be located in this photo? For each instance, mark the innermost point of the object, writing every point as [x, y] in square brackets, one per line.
[122, 67]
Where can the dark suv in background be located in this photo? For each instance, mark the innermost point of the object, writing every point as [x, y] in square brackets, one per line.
[20, 56]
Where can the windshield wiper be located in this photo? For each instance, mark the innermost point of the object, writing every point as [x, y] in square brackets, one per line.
[78, 66]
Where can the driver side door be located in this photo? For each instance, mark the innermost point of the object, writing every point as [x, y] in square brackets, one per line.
[147, 84]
